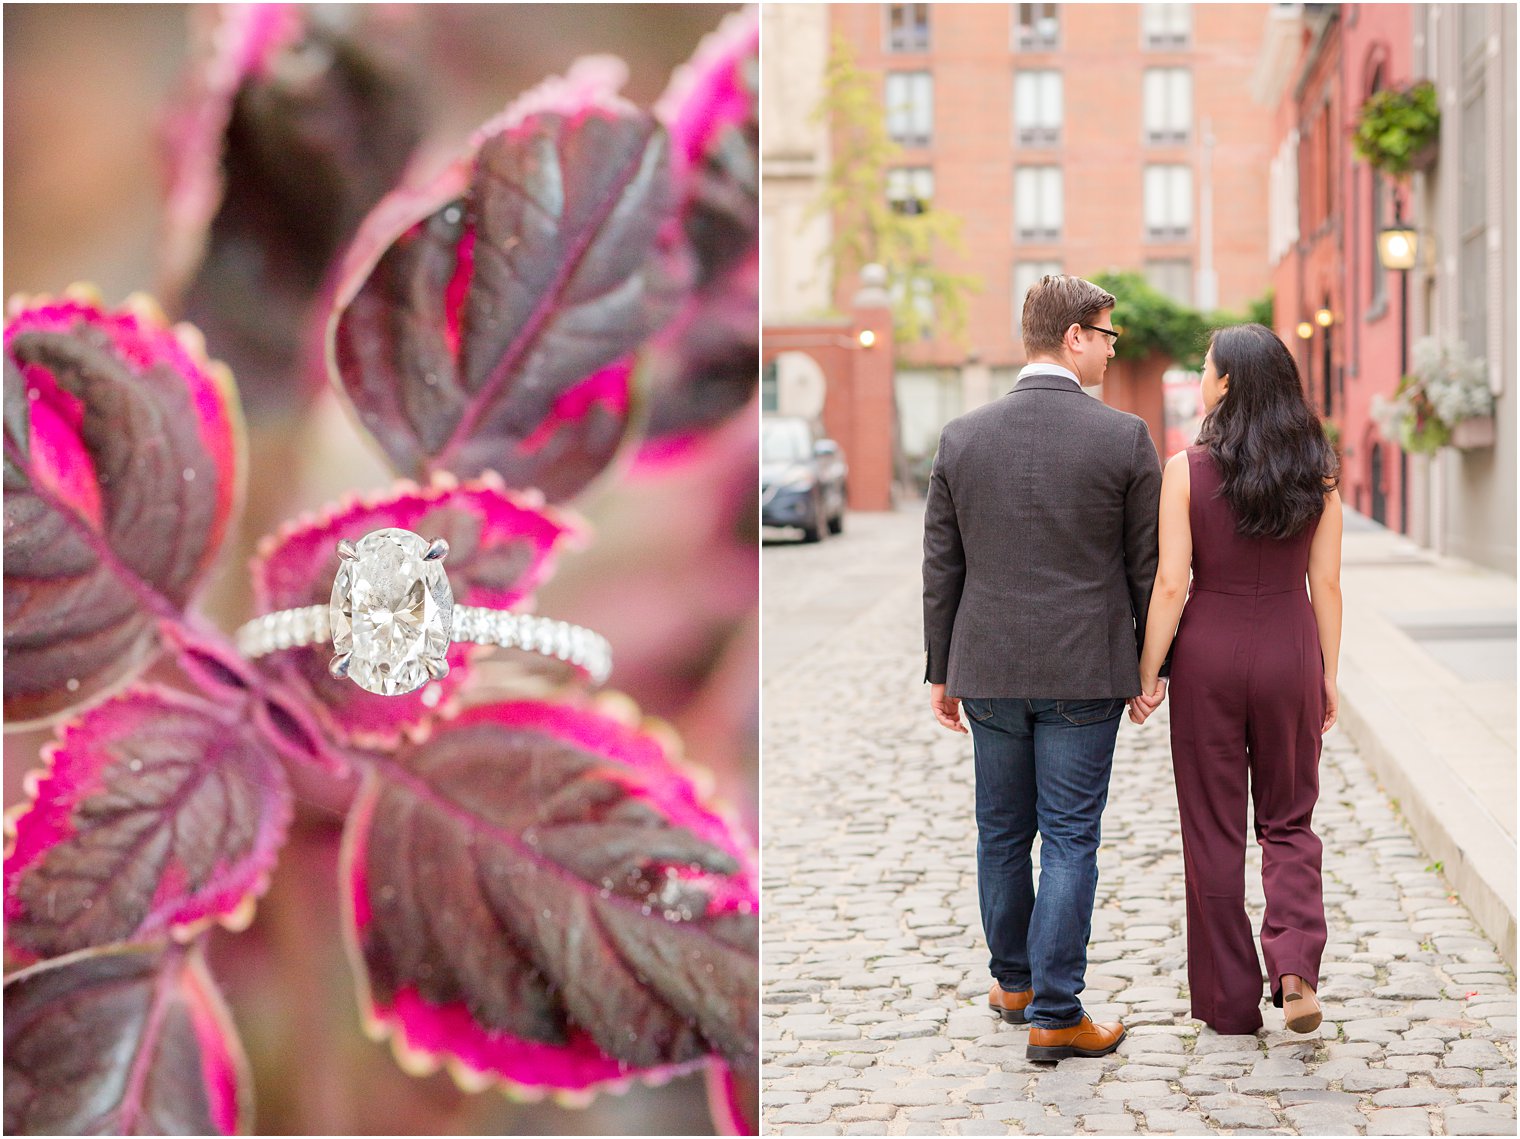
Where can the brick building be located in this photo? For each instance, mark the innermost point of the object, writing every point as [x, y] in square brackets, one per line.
[1319, 64]
[1069, 138]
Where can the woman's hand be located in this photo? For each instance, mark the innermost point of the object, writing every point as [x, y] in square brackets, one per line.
[1332, 704]
[1152, 692]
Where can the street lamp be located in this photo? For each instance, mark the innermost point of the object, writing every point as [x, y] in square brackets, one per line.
[1397, 246]
[1305, 330]
[867, 337]
[1324, 318]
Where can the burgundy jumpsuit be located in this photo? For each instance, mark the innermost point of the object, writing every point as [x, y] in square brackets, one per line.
[1247, 700]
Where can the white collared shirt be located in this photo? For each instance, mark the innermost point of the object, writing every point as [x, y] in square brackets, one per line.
[1042, 369]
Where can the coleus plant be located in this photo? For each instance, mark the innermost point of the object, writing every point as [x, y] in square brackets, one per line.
[537, 893]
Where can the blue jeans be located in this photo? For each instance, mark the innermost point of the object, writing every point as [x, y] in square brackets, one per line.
[1041, 766]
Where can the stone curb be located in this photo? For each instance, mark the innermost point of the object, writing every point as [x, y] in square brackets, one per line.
[1478, 857]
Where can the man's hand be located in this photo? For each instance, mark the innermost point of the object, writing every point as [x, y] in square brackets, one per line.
[947, 709]
[1141, 706]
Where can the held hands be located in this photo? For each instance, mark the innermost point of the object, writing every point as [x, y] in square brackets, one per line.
[947, 709]
[1152, 692]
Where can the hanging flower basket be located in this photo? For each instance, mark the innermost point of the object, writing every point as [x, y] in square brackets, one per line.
[1445, 402]
[1397, 129]
[1471, 434]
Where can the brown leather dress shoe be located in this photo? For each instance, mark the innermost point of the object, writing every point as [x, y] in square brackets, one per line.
[1301, 1011]
[1010, 1006]
[1082, 1039]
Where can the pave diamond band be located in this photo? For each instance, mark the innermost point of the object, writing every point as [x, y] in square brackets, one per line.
[392, 619]
[573, 644]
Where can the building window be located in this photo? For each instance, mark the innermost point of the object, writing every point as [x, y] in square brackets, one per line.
[1166, 27]
[1025, 275]
[1168, 203]
[1378, 215]
[910, 189]
[1282, 225]
[910, 107]
[1037, 205]
[1168, 104]
[907, 27]
[1472, 224]
[1326, 167]
[1037, 108]
[1037, 27]
[1172, 277]
[1473, 34]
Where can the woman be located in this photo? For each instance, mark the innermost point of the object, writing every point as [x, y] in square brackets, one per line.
[1252, 510]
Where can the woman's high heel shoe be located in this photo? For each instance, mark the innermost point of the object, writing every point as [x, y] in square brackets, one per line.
[1301, 1010]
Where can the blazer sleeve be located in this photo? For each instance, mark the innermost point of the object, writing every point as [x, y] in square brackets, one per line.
[944, 570]
[1142, 508]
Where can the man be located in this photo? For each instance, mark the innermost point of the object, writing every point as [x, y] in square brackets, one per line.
[1039, 557]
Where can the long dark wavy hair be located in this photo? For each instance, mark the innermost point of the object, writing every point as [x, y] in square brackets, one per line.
[1275, 463]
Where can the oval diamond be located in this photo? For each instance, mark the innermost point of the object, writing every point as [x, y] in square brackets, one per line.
[392, 612]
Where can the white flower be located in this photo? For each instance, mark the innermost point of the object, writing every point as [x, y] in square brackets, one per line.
[1457, 387]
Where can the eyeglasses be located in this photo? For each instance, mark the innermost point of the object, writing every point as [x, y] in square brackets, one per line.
[1113, 337]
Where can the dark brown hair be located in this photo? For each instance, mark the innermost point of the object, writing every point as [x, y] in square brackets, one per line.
[1275, 464]
[1056, 302]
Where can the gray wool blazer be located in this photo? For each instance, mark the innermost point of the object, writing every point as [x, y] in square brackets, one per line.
[1040, 547]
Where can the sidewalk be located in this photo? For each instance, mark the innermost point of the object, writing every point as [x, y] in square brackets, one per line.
[873, 962]
[1428, 694]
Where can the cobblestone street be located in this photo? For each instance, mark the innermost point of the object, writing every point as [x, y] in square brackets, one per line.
[874, 967]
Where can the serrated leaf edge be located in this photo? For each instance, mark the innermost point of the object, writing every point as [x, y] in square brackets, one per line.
[415, 1061]
[235, 920]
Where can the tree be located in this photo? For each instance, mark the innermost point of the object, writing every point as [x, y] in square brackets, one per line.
[1152, 322]
[867, 228]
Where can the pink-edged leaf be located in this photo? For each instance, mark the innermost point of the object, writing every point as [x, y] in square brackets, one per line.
[489, 322]
[123, 460]
[156, 812]
[129, 1040]
[539, 895]
[502, 546]
[712, 111]
[733, 1100]
[284, 717]
[290, 128]
[702, 367]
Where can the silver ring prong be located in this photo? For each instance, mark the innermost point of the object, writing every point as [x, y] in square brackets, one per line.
[346, 550]
[338, 666]
[437, 669]
[437, 550]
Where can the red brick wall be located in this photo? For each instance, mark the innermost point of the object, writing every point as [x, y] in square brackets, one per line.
[1373, 35]
[1103, 154]
[858, 406]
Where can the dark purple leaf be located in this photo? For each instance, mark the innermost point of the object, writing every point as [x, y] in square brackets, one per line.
[123, 451]
[489, 322]
[291, 129]
[712, 112]
[734, 1100]
[702, 368]
[130, 1040]
[156, 812]
[539, 895]
[502, 546]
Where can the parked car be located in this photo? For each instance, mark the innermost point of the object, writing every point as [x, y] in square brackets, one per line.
[802, 477]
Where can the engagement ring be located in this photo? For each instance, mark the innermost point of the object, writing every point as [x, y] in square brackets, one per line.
[393, 617]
